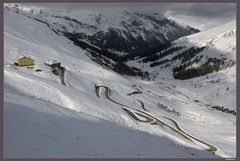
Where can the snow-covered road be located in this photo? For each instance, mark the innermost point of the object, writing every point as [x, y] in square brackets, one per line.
[149, 118]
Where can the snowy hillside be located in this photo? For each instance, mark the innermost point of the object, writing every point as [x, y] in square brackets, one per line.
[206, 59]
[219, 42]
[99, 113]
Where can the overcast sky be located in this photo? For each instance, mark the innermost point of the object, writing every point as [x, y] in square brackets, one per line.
[202, 16]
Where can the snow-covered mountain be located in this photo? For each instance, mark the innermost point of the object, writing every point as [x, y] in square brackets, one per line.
[196, 56]
[130, 117]
[116, 31]
[205, 52]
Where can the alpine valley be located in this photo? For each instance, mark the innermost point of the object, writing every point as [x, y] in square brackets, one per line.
[117, 84]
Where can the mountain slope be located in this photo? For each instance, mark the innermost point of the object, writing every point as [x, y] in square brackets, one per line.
[72, 121]
[207, 59]
[213, 46]
[119, 32]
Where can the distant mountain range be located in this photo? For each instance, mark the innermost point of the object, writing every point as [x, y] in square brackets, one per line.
[120, 32]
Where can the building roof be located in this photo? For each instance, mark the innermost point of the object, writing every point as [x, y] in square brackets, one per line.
[21, 57]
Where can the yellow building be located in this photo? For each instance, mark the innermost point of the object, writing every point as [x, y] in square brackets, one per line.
[25, 61]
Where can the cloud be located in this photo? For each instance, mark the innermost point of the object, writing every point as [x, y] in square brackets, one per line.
[203, 16]
[206, 10]
[199, 15]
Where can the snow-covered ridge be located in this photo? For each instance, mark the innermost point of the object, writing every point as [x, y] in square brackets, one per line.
[224, 32]
[220, 42]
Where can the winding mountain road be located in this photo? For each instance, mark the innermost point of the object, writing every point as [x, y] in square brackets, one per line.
[144, 116]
